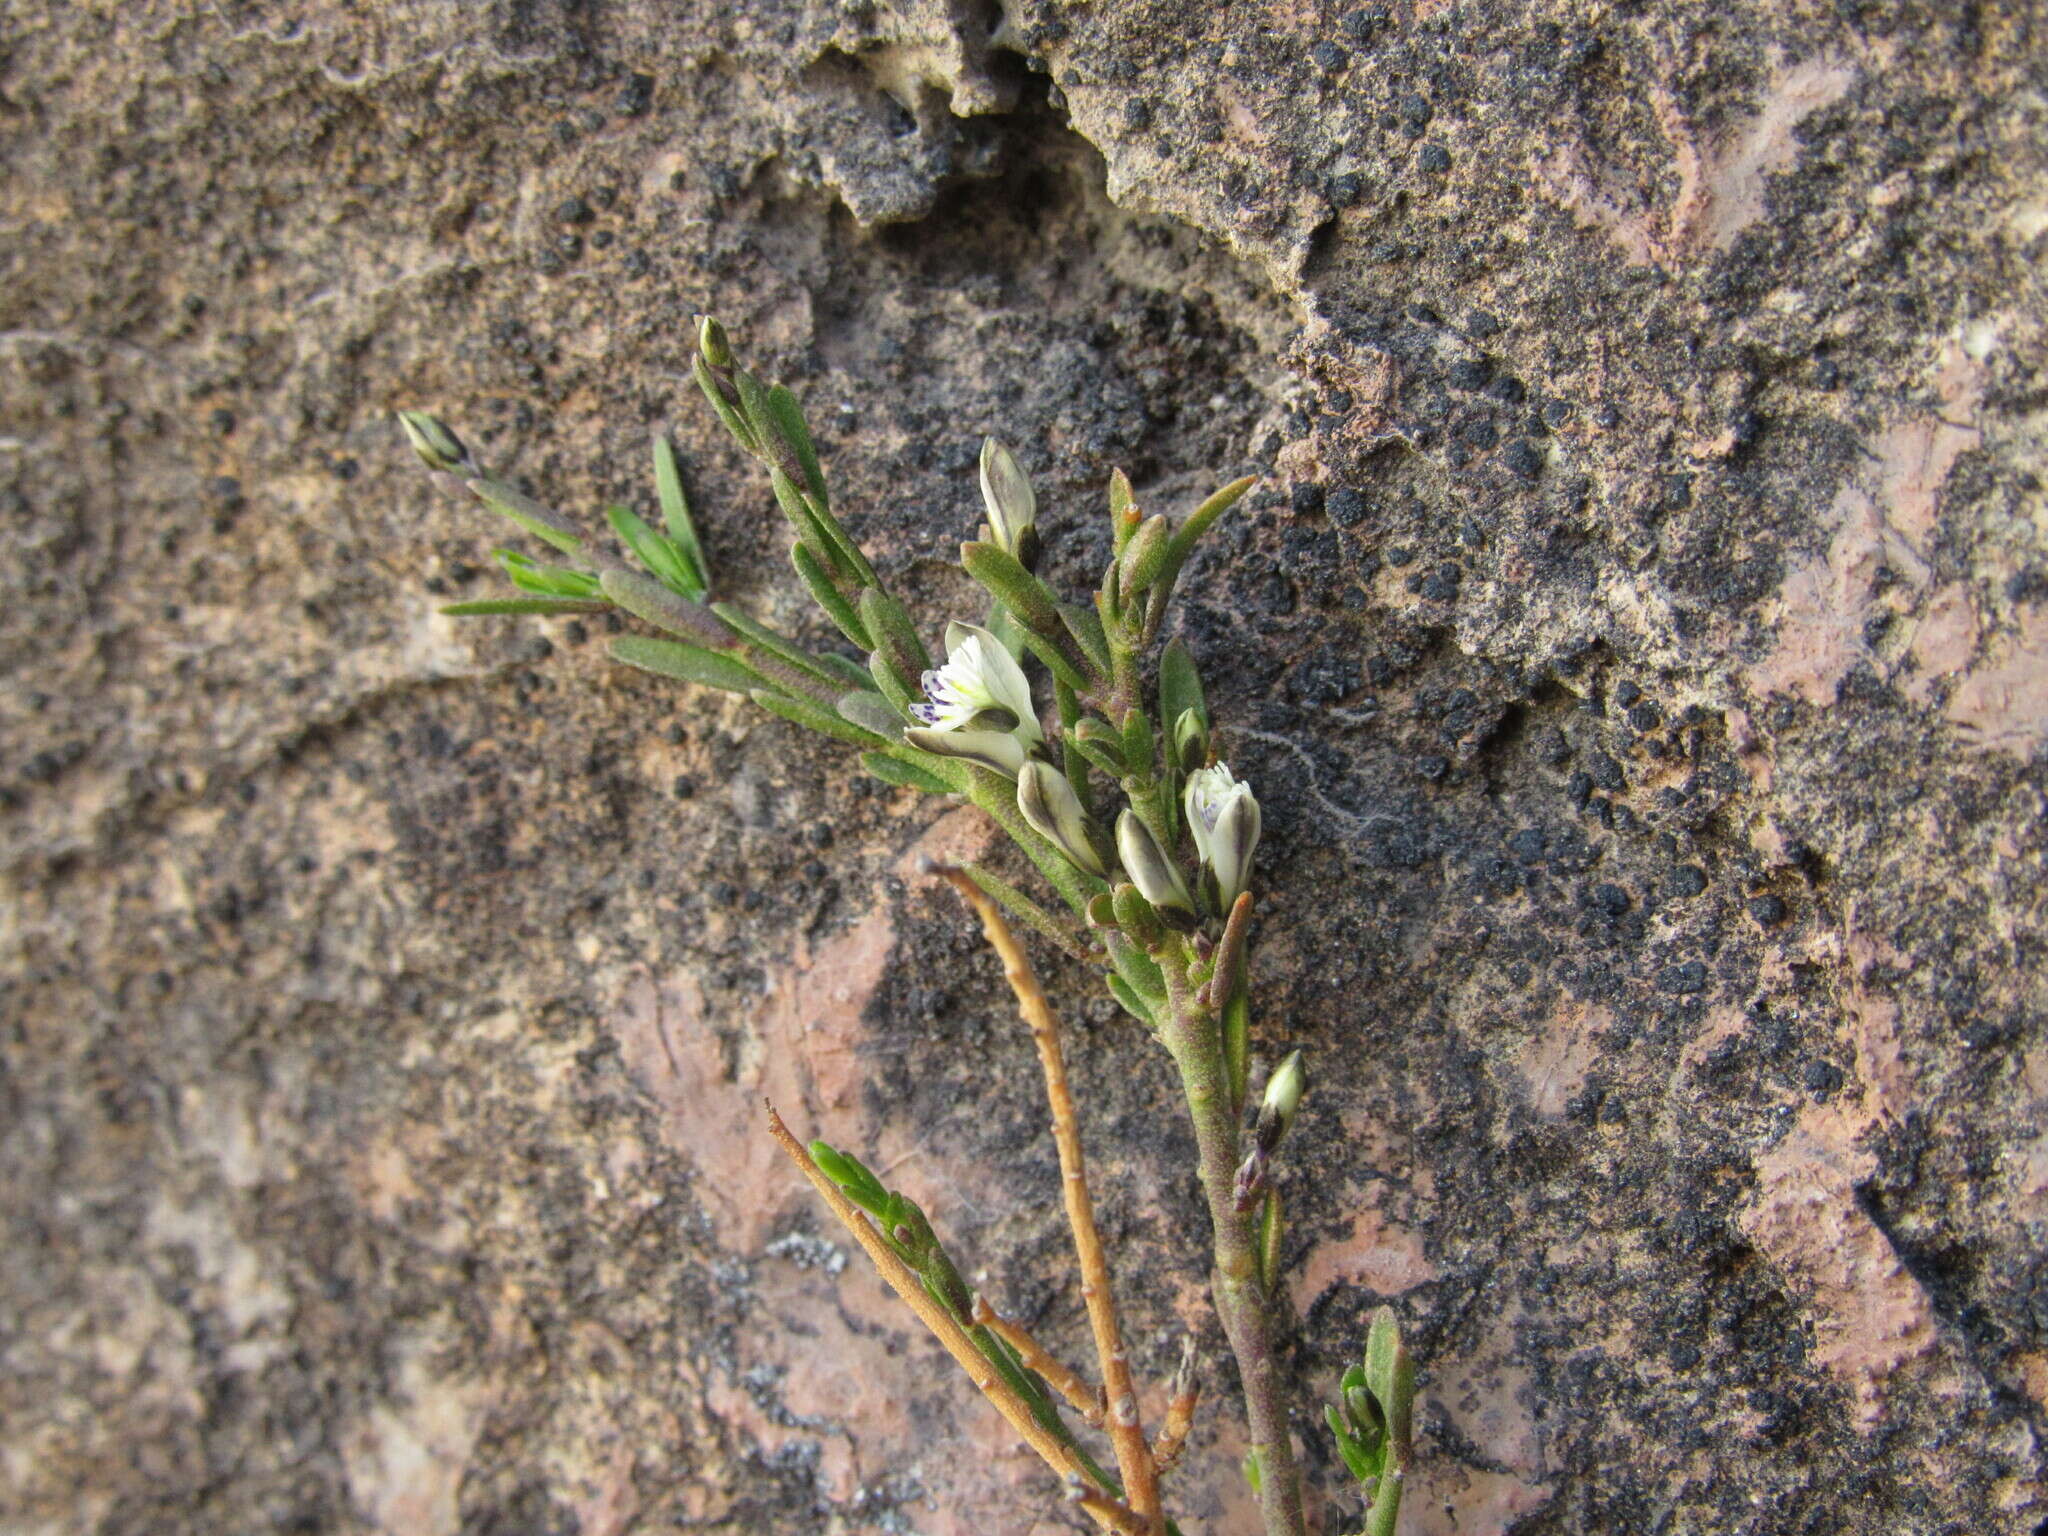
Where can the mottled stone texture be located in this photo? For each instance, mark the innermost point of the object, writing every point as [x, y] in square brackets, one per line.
[1640, 641]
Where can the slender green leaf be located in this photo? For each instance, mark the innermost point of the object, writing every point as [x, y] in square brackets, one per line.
[1270, 1229]
[1085, 625]
[788, 419]
[646, 598]
[1030, 599]
[828, 596]
[895, 634]
[870, 712]
[1133, 1004]
[521, 605]
[1061, 934]
[1057, 662]
[656, 551]
[1190, 532]
[842, 541]
[891, 686]
[1137, 968]
[848, 671]
[543, 522]
[675, 507]
[689, 663]
[813, 717]
[735, 421]
[538, 580]
[1180, 685]
[1140, 747]
[1237, 1038]
[904, 775]
[759, 634]
[815, 536]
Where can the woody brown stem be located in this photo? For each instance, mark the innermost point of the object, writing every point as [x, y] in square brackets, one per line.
[904, 1282]
[1061, 1377]
[1126, 1432]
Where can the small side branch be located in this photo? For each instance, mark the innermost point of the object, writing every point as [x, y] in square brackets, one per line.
[905, 1284]
[1062, 1378]
[1180, 1412]
[1126, 1432]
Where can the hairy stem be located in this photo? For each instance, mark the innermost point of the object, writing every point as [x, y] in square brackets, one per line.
[1194, 1036]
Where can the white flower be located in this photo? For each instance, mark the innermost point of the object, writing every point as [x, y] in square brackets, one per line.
[1224, 817]
[978, 705]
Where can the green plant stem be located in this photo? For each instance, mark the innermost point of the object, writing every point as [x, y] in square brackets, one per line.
[1194, 1036]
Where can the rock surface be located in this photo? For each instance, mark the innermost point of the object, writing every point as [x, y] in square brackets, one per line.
[1639, 640]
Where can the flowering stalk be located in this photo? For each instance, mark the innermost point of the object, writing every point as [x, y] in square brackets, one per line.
[1162, 904]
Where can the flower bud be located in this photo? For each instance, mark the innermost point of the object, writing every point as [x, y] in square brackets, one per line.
[1190, 741]
[1151, 871]
[438, 447]
[712, 344]
[1012, 504]
[1224, 817]
[1283, 1097]
[1047, 800]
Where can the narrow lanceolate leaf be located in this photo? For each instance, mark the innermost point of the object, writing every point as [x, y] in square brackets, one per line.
[895, 634]
[675, 507]
[905, 775]
[1133, 1004]
[852, 1176]
[890, 685]
[1180, 685]
[687, 663]
[735, 422]
[828, 596]
[788, 419]
[1137, 968]
[756, 633]
[537, 580]
[849, 671]
[1053, 930]
[1085, 625]
[809, 528]
[522, 605]
[646, 598]
[1190, 532]
[1057, 661]
[1139, 745]
[1030, 599]
[656, 551]
[1269, 1242]
[754, 403]
[1237, 1048]
[538, 519]
[1101, 743]
[871, 713]
[814, 717]
[842, 541]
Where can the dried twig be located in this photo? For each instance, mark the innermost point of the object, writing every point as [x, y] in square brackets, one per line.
[1062, 1378]
[1126, 1432]
[947, 1331]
